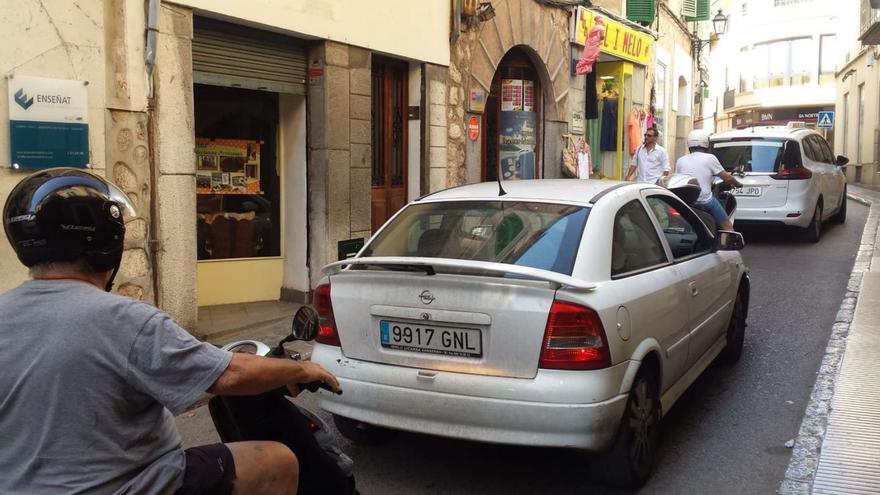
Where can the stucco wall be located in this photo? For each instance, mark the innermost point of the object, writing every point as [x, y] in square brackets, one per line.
[397, 27]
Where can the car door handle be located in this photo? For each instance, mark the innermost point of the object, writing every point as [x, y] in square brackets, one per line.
[693, 287]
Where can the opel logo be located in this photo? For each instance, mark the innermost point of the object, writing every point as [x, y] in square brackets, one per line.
[426, 297]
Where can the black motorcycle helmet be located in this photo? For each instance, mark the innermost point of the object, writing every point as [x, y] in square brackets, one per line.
[66, 214]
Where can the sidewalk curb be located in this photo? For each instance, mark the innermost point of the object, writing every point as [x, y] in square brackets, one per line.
[222, 334]
[807, 446]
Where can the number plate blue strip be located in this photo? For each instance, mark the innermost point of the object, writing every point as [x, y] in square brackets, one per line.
[383, 328]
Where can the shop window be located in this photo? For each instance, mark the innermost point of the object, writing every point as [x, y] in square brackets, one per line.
[237, 183]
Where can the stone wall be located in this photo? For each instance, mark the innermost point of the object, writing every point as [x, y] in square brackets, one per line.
[340, 154]
[543, 33]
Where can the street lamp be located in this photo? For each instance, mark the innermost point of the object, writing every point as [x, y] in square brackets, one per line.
[719, 23]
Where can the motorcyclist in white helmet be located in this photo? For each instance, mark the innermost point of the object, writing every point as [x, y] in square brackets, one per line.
[704, 166]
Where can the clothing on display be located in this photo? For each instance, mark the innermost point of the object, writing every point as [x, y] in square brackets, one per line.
[608, 140]
[592, 107]
[634, 128]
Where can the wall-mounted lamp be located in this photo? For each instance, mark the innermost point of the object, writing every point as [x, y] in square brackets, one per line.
[719, 23]
[848, 74]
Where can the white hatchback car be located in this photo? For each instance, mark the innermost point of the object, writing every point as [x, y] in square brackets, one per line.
[789, 177]
[564, 313]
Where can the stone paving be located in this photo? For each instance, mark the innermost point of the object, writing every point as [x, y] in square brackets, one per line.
[806, 457]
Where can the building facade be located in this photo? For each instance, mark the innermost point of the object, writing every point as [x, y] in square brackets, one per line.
[259, 141]
[776, 63]
[857, 107]
[263, 140]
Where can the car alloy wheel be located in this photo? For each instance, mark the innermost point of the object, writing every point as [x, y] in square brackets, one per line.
[631, 458]
[814, 231]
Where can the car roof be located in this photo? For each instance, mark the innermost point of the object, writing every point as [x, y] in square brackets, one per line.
[766, 131]
[549, 190]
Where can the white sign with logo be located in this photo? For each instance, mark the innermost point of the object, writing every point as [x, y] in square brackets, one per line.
[48, 122]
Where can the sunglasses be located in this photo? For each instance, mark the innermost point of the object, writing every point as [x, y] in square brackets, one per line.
[650, 135]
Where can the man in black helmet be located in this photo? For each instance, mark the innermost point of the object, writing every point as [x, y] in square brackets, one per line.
[90, 379]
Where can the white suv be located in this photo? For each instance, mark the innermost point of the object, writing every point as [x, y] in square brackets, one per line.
[789, 177]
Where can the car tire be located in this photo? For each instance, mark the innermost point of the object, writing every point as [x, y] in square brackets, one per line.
[629, 462]
[360, 432]
[840, 216]
[736, 332]
[813, 232]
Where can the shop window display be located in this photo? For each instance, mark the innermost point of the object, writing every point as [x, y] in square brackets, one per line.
[237, 185]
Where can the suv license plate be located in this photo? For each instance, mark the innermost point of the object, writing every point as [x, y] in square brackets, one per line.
[448, 341]
[747, 191]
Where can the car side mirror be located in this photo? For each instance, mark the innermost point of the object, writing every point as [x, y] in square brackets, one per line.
[305, 324]
[729, 240]
[841, 161]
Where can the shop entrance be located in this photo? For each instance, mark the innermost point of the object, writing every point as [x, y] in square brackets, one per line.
[512, 130]
[389, 139]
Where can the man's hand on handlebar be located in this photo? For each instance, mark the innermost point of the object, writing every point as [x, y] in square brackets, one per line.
[314, 374]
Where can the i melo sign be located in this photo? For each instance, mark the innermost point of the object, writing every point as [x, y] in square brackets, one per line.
[48, 122]
[620, 40]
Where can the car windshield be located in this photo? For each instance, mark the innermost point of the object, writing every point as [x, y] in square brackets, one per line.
[537, 235]
[755, 155]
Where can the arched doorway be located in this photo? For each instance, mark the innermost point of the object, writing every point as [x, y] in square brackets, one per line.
[513, 120]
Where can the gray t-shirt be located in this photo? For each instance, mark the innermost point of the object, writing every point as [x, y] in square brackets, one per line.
[87, 383]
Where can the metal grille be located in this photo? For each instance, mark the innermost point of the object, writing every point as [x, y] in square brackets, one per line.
[225, 54]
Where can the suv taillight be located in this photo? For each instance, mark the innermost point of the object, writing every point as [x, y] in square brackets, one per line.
[574, 339]
[793, 173]
[327, 333]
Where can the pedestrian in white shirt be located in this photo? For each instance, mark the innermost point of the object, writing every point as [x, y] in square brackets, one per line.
[650, 162]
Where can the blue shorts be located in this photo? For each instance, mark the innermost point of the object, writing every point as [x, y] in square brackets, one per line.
[716, 210]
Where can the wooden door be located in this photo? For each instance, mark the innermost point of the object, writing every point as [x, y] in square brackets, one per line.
[389, 141]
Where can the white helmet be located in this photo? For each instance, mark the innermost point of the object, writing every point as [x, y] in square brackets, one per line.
[698, 138]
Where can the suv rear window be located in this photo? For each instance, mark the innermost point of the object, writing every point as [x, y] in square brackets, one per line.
[755, 155]
[537, 235]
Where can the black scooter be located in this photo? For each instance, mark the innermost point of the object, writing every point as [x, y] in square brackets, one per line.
[324, 468]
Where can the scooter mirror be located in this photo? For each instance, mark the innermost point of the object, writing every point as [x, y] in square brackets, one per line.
[305, 324]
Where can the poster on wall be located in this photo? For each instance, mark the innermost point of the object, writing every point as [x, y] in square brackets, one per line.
[511, 95]
[48, 122]
[517, 143]
[528, 104]
[227, 166]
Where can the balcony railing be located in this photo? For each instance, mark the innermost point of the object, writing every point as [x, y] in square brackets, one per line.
[870, 23]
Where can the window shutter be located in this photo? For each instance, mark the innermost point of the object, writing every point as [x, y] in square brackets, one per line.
[689, 8]
[702, 11]
[641, 10]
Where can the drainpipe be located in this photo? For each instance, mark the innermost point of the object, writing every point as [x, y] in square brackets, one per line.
[150, 52]
[149, 64]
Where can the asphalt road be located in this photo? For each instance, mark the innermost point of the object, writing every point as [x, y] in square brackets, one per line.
[726, 435]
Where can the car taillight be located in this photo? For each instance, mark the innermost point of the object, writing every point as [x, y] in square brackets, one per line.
[327, 333]
[574, 339]
[792, 173]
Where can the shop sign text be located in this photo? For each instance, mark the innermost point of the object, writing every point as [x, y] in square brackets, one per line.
[621, 41]
[48, 122]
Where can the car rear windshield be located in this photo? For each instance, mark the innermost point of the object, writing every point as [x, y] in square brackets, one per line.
[757, 155]
[537, 235]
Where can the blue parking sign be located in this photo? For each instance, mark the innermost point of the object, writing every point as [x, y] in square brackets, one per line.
[825, 120]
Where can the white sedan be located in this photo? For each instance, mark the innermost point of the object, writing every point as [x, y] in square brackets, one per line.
[564, 313]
